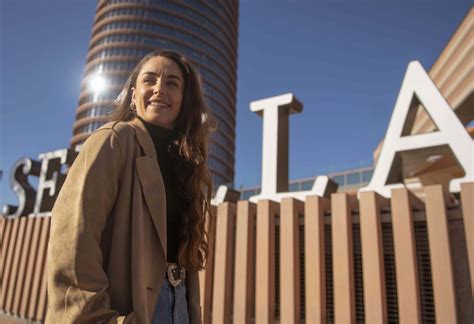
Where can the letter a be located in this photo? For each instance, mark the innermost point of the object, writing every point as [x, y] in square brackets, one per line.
[451, 133]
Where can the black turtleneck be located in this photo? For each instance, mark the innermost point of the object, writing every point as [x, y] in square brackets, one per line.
[162, 139]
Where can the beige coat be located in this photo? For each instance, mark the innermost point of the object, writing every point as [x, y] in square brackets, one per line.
[107, 247]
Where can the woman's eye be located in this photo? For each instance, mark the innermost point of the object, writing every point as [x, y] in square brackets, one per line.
[148, 80]
[173, 84]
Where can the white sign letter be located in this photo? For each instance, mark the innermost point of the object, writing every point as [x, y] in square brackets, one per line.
[418, 85]
[275, 111]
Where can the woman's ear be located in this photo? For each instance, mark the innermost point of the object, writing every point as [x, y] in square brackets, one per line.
[133, 95]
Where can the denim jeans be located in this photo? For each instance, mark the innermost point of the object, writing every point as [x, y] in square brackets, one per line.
[171, 307]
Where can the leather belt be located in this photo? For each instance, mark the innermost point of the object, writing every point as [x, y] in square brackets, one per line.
[175, 274]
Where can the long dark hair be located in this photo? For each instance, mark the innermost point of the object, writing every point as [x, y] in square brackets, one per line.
[193, 128]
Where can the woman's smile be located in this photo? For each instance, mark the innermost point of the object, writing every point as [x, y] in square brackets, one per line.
[159, 104]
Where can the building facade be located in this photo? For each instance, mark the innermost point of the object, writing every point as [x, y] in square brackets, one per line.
[126, 30]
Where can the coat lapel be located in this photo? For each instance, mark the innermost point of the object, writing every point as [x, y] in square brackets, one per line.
[152, 182]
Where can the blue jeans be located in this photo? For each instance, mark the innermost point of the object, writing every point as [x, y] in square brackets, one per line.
[171, 307]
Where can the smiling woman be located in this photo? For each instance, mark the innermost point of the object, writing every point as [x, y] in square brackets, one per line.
[133, 208]
[158, 93]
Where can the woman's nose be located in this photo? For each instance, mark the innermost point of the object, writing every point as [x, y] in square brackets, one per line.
[158, 86]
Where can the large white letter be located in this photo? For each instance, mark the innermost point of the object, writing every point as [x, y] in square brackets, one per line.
[418, 85]
[51, 179]
[275, 111]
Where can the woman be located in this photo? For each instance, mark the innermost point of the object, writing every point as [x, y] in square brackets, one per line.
[128, 227]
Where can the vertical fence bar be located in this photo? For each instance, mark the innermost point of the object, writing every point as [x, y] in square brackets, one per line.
[289, 260]
[440, 253]
[375, 303]
[5, 248]
[38, 268]
[206, 275]
[343, 260]
[30, 267]
[3, 233]
[315, 259]
[265, 262]
[467, 198]
[2, 236]
[43, 298]
[409, 305]
[2, 228]
[244, 295]
[7, 271]
[223, 266]
[12, 289]
[26, 256]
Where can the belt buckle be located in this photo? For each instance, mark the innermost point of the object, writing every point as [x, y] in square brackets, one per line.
[173, 270]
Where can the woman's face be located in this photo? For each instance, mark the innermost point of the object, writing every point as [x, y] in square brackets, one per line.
[158, 92]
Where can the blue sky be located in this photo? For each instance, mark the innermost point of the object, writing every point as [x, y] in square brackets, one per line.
[343, 59]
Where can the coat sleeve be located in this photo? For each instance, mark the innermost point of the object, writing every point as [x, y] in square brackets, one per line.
[77, 283]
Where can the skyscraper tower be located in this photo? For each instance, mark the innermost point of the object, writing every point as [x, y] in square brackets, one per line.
[126, 30]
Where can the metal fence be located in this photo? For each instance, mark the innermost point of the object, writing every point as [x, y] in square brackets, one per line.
[338, 260]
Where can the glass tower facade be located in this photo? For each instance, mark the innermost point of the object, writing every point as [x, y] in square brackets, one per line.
[126, 30]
